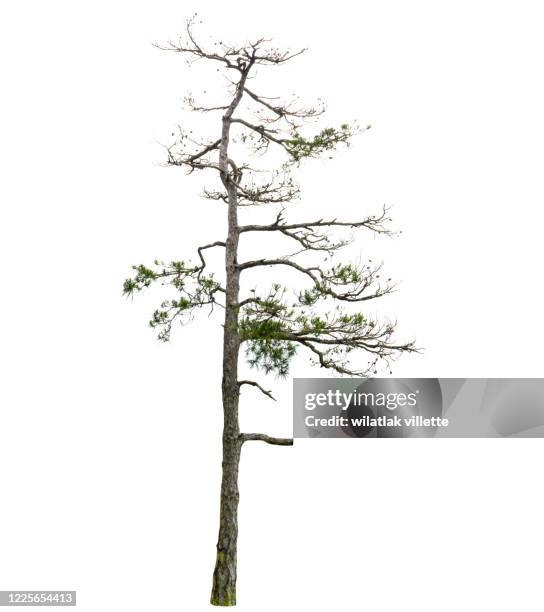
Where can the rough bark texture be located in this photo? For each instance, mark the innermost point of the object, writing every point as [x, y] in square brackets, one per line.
[224, 576]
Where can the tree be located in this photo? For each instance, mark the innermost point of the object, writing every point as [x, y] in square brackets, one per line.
[274, 325]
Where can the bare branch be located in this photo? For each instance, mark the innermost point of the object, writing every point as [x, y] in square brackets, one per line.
[193, 161]
[266, 133]
[235, 58]
[277, 188]
[203, 248]
[255, 384]
[193, 106]
[246, 437]
[227, 56]
[284, 111]
[275, 56]
[280, 262]
[374, 223]
[327, 359]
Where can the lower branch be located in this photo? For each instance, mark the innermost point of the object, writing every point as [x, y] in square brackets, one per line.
[246, 437]
[255, 384]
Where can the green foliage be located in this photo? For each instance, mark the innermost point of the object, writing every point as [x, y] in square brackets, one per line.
[308, 297]
[266, 350]
[143, 278]
[255, 329]
[271, 328]
[270, 355]
[345, 273]
[195, 289]
[347, 278]
[300, 147]
[266, 346]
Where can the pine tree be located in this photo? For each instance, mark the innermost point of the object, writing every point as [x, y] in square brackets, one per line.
[273, 326]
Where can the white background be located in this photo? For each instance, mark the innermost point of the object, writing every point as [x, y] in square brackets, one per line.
[109, 452]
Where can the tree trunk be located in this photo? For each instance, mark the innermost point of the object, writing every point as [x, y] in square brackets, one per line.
[224, 577]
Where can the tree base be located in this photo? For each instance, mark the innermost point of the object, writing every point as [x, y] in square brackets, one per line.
[228, 599]
[224, 581]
